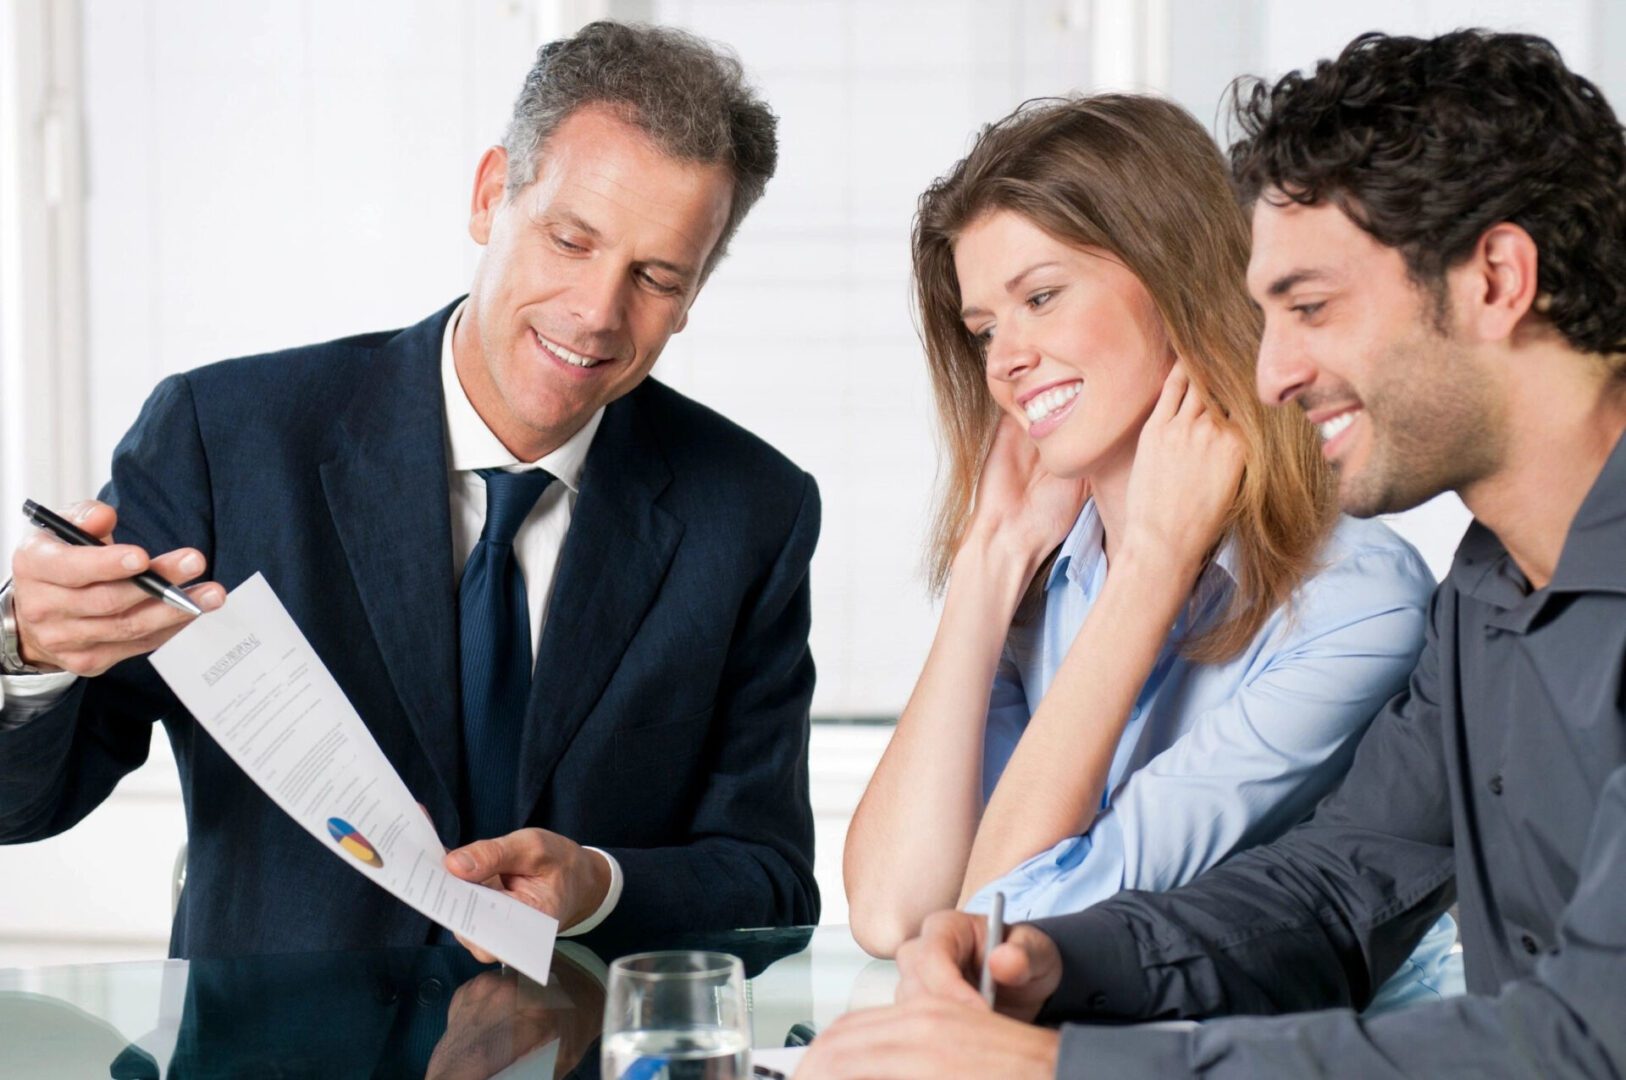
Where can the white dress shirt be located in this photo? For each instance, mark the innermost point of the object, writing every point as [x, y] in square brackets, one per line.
[470, 445]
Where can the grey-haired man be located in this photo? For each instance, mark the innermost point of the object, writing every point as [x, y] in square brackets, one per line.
[612, 652]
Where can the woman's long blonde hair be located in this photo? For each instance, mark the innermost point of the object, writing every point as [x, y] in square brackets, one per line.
[1138, 177]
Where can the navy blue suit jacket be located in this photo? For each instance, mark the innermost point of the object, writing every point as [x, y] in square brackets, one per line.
[668, 719]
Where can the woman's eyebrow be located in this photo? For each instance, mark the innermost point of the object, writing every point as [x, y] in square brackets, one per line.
[1010, 286]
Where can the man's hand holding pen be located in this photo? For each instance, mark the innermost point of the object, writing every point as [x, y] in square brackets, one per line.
[942, 1025]
[77, 608]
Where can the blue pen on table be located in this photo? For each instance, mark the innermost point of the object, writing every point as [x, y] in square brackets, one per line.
[996, 934]
[69, 533]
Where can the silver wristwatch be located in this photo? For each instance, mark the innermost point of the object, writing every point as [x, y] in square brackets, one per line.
[11, 654]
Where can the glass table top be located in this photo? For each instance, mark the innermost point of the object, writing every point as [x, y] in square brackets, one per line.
[431, 1011]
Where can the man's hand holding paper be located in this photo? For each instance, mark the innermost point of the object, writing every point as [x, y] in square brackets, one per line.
[541, 869]
[252, 680]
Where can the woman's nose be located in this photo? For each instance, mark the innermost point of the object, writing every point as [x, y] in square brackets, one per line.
[1010, 357]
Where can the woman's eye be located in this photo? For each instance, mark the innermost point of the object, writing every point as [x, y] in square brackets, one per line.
[1040, 299]
[983, 337]
[566, 245]
[1305, 311]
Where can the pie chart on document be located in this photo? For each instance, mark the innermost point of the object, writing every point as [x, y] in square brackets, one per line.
[353, 842]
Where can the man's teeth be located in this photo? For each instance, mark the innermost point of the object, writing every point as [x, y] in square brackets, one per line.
[1048, 402]
[1330, 429]
[575, 359]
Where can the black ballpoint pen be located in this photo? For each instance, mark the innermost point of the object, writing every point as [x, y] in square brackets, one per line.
[69, 533]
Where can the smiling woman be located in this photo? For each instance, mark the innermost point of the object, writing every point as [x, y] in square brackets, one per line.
[1202, 640]
[1131, 193]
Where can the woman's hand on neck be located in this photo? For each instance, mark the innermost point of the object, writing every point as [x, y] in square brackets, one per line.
[1021, 512]
[1181, 489]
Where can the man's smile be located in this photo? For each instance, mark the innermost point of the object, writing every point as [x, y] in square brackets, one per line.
[569, 356]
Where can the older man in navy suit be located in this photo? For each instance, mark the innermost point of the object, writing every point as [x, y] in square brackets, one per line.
[571, 605]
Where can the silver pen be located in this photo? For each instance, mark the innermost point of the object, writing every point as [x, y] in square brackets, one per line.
[996, 934]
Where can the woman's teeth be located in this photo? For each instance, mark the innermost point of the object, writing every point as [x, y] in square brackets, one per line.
[1331, 429]
[1048, 402]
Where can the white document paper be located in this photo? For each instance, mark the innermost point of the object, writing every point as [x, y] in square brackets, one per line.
[250, 677]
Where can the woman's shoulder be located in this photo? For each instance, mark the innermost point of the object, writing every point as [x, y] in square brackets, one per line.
[1365, 565]
[1353, 540]
[1369, 591]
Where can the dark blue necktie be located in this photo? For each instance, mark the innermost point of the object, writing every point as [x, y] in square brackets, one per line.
[494, 631]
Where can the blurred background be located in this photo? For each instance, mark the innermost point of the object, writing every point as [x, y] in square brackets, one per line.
[187, 180]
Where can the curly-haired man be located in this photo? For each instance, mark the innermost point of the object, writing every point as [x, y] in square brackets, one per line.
[1440, 254]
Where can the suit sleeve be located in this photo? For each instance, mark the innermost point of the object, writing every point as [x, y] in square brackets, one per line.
[1318, 918]
[59, 765]
[752, 856]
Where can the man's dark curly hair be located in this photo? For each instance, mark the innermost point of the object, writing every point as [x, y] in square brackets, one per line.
[1426, 144]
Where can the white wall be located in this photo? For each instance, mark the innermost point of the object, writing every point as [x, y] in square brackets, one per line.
[262, 175]
[42, 318]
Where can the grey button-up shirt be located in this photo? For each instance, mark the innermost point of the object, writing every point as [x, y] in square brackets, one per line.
[1499, 775]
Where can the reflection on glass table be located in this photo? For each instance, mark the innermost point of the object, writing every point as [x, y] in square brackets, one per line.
[430, 1012]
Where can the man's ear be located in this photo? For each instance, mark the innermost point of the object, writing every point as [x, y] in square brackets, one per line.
[490, 182]
[1502, 283]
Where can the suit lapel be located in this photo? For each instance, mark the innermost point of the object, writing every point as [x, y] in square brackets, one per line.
[615, 557]
[387, 490]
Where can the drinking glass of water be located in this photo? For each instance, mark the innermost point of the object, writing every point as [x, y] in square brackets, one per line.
[676, 1016]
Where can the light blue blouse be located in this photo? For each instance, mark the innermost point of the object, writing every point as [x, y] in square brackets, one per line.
[1219, 757]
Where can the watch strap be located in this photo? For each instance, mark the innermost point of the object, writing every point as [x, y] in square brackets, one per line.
[11, 657]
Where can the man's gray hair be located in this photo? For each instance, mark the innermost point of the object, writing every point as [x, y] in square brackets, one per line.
[688, 95]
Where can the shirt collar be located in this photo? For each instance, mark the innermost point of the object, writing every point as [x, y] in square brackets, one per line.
[1085, 547]
[1589, 561]
[1081, 550]
[471, 444]
[1591, 556]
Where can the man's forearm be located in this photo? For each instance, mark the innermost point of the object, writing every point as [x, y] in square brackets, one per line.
[36, 744]
[1527, 1031]
[1263, 933]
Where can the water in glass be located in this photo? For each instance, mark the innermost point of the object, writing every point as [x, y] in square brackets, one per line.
[678, 1054]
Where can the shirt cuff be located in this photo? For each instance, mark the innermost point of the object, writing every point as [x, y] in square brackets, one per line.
[612, 897]
[1068, 877]
[1101, 972]
[23, 697]
[1150, 1050]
